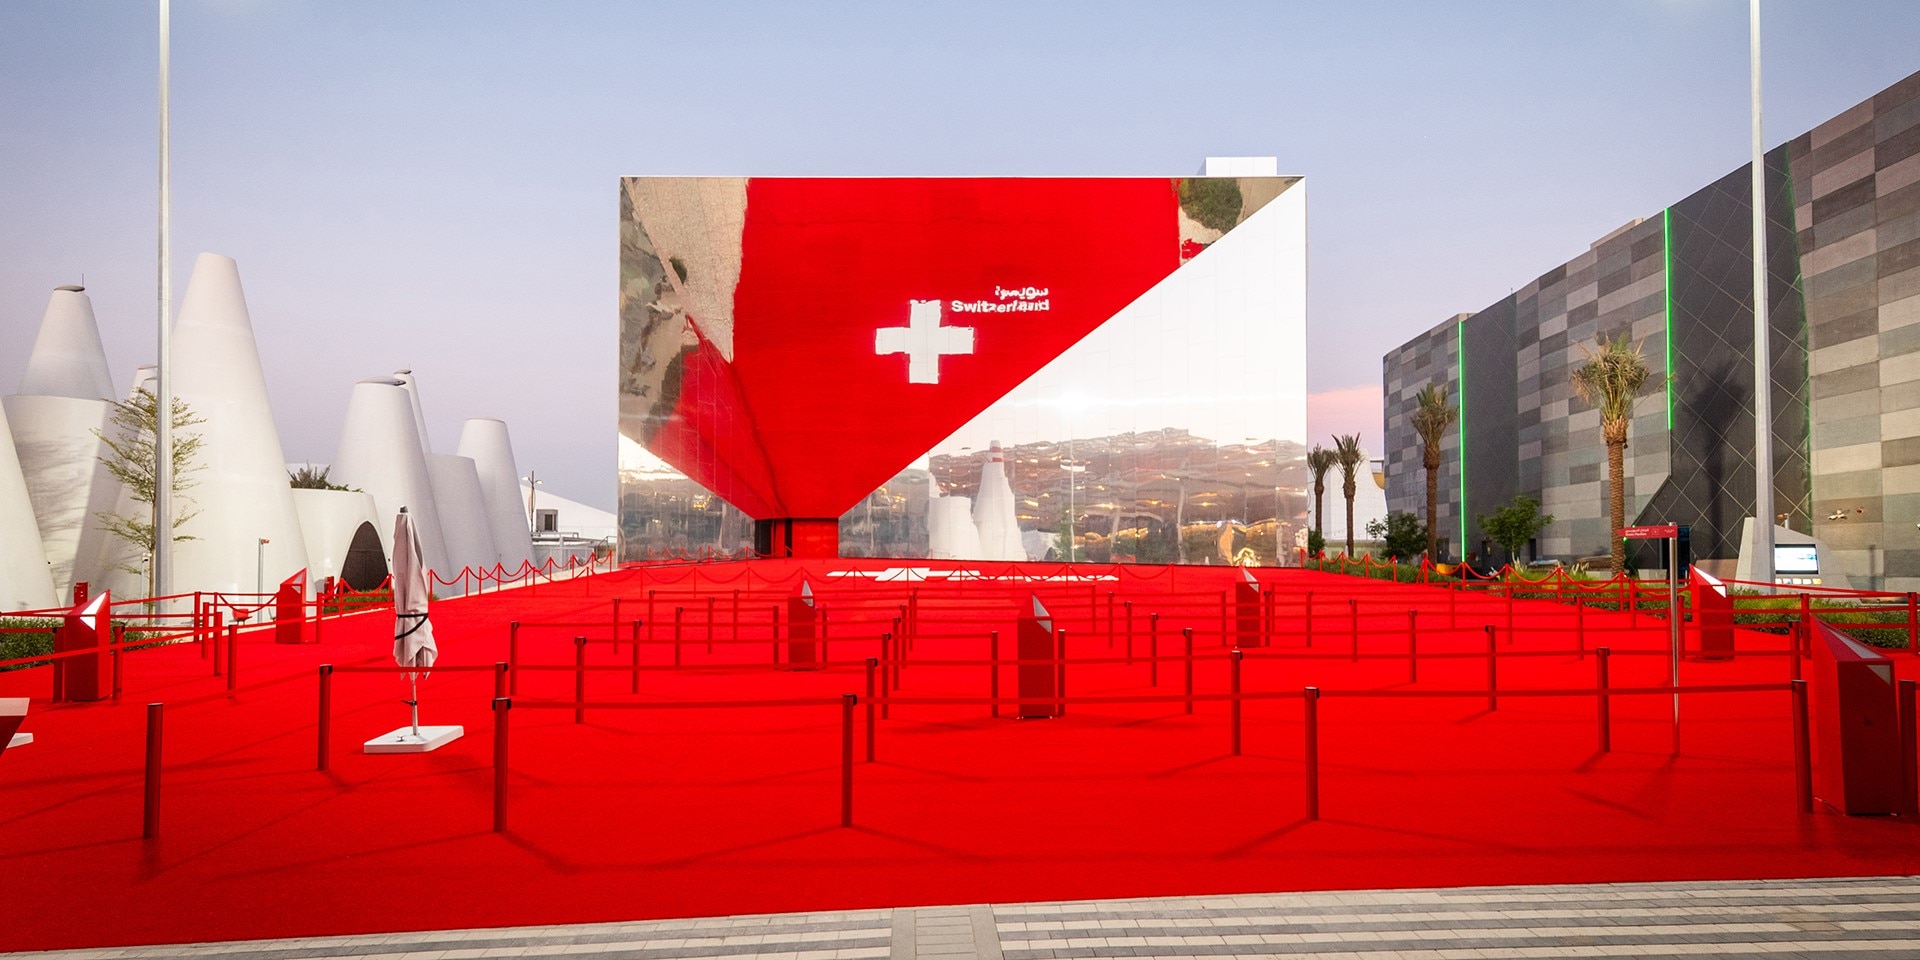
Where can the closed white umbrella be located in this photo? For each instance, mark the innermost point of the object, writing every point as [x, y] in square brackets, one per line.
[413, 644]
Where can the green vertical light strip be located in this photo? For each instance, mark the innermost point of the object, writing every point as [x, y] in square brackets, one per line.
[1666, 248]
[1460, 381]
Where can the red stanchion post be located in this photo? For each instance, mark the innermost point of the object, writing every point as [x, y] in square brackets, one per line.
[1604, 699]
[710, 601]
[886, 675]
[635, 653]
[1802, 749]
[1109, 619]
[513, 658]
[993, 674]
[1234, 699]
[872, 667]
[1128, 610]
[499, 679]
[119, 640]
[200, 624]
[218, 619]
[325, 727]
[1153, 649]
[1913, 622]
[1186, 633]
[1310, 699]
[679, 614]
[1580, 624]
[500, 707]
[1306, 618]
[1353, 610]
[150, 822]
[1909, 709]
[616, 624]
[579, 679]
[1060, 672]
[847, 700]
[1493, 671]
[233, 657]
[1413, 646]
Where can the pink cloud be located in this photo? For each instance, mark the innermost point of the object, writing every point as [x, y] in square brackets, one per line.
[1346, 410]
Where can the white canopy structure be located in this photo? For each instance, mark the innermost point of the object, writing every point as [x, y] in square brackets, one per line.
[68, 359]
[24, 581]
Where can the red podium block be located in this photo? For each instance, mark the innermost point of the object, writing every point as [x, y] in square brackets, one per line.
[1038, 680]
[1246, 601]
[802, 617]
[1712, 616]
[86, 629]
[290, 610]
[1857, 767]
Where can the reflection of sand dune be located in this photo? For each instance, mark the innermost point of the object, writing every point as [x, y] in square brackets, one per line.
[695, 224]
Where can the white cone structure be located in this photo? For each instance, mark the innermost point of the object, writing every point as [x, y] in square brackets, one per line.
[240, 494]
[993, 511]
[463, 516]
[329, 519]
[104, 561]
[412, 384]
[951, 534]
[380, 454]
[59, 456]
[485, 440]
[24, 581]
[68, 359]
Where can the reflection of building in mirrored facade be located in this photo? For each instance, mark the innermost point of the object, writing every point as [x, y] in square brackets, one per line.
[789, 343]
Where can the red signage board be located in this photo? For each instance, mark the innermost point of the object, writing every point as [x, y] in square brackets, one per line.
[1665, 532]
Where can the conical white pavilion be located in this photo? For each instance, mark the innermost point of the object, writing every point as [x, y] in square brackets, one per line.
[380, 453]
[993, 510]
[240, 493]
[24, 581]
[485, 440]
[463, 516]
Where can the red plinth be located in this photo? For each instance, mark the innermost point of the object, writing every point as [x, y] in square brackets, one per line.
[1246, 599]
[1856, 764]
[1038, 680]
[83, 678]
[1712, 616]
[290, 610]
[802, 616]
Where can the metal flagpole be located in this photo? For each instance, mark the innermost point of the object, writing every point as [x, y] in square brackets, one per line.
[163, 386]
[1762, 347]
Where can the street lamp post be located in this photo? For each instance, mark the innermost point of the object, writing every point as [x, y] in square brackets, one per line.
[1762, 347]
[163, 373]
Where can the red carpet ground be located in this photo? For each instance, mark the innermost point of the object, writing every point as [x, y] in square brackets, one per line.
[649, 814]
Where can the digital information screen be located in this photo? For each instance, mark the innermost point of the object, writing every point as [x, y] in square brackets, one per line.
[1796, 558]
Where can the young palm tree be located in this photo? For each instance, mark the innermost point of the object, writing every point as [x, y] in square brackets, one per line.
[1346, 450]
[1320, 460]
[1431, 421]
[1610, 379]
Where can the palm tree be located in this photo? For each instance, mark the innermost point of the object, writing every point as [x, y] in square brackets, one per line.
[1320, 460]
[1610, 379]
[1346, 450]
[1431, 421]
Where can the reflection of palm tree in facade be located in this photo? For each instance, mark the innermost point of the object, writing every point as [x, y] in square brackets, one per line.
[1320, 460]
[1431, 421]
[1346, 450]
[1610, 380]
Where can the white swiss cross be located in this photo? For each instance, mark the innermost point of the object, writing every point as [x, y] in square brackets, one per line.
[923, 340]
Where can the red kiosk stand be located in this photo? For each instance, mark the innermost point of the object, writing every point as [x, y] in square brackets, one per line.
[87, 628]
[1040, 671]
[802, 617]
[290, 610]
[1246, 599]
[1857, 768]
[1712, 616]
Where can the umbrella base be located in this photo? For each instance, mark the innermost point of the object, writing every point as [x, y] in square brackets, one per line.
[20, 740]
[404, 740]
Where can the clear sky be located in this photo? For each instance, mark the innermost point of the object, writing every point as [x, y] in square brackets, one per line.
[431, 183]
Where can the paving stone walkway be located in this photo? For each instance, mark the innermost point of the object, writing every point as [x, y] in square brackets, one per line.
[1876, 917]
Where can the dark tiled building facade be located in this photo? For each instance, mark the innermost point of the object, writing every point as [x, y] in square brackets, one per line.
[1843, 252]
